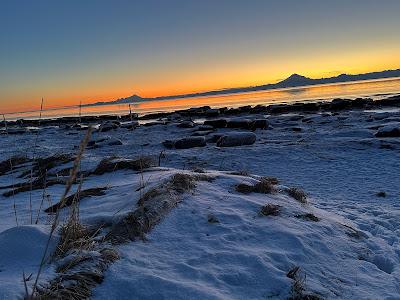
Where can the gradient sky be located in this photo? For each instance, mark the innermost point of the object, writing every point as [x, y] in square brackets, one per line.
[70, 51]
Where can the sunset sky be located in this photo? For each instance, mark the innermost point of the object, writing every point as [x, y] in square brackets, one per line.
[71, 51]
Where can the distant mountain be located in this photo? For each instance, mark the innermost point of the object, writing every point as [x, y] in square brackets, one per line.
[294, 80]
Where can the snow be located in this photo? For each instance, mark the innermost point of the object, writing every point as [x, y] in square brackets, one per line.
[335, 158]
[21, 250]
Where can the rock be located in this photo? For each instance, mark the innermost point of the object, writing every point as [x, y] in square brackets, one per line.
[186, 124]
[15, 131]
[186, 143]
[296, 129]
[154, 123]
[362, 102]
[234, 139]
[201, 133]
[190, 142]
[338, 104]
[218, 123]
[169, 144]
[391, 101]
[389, 131]
[205, 127]
[130, 125]
[296, 118]
[259, 124]
[104, 141]
[107, 126]
[311, 106]
[212, 112]
[239, 123]
[213, 138]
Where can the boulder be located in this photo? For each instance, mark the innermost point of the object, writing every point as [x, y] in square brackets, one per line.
[107, 126]
[190, 142]
[218, 123]
[234, 139]
[212, 112]
[130, 125]
[259, 124]
[389, 131]
[338, 104]
[186, 124]
[201, 133]
[213, 138]
[205, 127]
[239, 123]
[186, 143]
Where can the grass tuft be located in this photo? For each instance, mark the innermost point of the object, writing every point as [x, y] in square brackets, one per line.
[297, 194]
[270, 210]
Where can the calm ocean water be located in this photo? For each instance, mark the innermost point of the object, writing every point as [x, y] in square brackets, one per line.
[374, 88]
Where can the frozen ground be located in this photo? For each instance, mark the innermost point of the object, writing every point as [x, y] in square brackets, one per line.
[336, 159]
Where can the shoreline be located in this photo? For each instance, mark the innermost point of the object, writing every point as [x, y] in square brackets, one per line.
[334, 105]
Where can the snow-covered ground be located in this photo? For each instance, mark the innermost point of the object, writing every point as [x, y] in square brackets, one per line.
[352, 252]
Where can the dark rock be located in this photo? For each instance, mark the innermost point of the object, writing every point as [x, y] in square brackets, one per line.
[213, 138]
[218, 123]
[186, 124]
[107, 126]
[239, 123]
[190, 142]
[201, 133]
[339, 104]
[259, 124]
[212, 112]
[130, 125]
[234, 139]
[389, 131]
[205, 127]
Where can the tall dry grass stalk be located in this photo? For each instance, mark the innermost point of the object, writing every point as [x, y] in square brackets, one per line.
[11, 168]
[69, 183]
[33, 161]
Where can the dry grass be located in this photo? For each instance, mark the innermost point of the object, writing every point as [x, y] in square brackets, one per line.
[182, 182]
[299, 285]
[10, 164]
[270, 210]
[266, 185]
[40, 165]
[308, 217]
[112, 164]
[244, 188]
[297, 194]
[152, 207]
[99, 191]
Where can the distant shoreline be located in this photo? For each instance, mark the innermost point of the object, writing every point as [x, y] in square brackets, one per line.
[227, 94]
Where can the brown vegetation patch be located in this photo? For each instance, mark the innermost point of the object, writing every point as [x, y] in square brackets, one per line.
[36, 184]
[41, 165]
[266, 185]
[244, 188]
[12, 163]
[68, 201]
[112, 164]
[297, 194]
[270, 210]
[298, 290]
[308, 217]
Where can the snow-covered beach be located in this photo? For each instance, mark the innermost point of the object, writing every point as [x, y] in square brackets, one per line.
[212, 239]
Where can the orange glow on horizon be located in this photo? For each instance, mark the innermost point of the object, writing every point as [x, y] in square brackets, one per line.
[205, 79]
